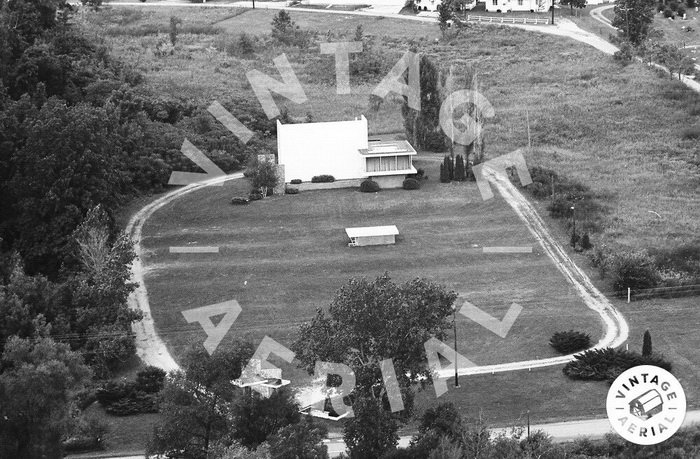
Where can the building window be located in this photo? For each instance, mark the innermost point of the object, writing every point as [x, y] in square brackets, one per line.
[373, 164]
[388, 163]
[403, 162]
[520, 2]
[495, 2]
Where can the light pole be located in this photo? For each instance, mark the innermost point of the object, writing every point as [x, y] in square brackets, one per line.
[454, 328]
[528, 425]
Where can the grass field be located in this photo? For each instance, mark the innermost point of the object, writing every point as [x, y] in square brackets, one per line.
[284, 257]
[617, 129]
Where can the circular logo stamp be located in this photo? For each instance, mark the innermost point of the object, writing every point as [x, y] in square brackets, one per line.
[646, 405]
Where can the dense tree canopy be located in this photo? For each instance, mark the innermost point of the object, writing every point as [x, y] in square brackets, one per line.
[367, 322]
[634, 19]
[37, 379]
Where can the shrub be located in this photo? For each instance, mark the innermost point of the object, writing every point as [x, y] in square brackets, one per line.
[85, 398]
[560, 208]
[419, 175]
[635, 270]
[606, 364]
[150, 380]
[123, 398]
[239, 201]
[255, 196]
[245, 44]
[138, 402]
[668, 13]
[296, 181]
[322, 179]
[586, 242]
[570, 341]
[291, 190]
[680, 10]
[112, 391]
[369, 186]
[411, 184]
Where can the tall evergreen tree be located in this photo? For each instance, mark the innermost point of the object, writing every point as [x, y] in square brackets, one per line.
[460, 174]
[423, 127]
[444, 174]
[646, 344]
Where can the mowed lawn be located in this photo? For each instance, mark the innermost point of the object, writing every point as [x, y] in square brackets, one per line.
[283, 257]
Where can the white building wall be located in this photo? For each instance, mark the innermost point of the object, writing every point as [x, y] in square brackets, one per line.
[331, 148]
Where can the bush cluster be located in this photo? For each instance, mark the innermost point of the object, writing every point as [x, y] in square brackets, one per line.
[296, 181]
[122, 398]
[369, 186]
[290, 190]
[255, 196]
[322, 179]
[411, 184]
[239, 201]
[608, 363]
[628, 269]
[567, 342]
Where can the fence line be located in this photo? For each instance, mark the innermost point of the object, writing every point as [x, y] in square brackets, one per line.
[503, 20]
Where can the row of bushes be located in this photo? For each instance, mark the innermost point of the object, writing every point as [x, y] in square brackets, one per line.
[648, 269]
[122, 398]
[608, 363]
[370, 186]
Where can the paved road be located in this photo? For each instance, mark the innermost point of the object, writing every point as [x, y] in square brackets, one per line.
[597, 14]
[560, 432]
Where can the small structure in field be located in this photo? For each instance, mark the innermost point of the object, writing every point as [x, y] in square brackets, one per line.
[342, 149]
[372, 235]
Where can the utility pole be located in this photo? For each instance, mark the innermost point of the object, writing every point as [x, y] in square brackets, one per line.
[573, 214]
[552, 12]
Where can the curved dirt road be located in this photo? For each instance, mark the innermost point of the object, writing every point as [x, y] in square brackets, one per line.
[149, 347]
[616, 328]
[153, 351]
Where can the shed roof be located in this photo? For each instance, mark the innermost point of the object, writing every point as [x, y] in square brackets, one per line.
[368, 231]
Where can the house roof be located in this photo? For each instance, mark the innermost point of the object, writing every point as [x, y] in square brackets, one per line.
[388, 148]
[372, 231]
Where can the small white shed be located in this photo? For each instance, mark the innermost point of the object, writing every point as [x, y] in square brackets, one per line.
[372, 235]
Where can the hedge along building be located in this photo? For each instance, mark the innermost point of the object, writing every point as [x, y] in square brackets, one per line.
[342, 149]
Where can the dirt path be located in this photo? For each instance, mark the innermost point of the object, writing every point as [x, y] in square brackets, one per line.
[616, 328]
[149, 347]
